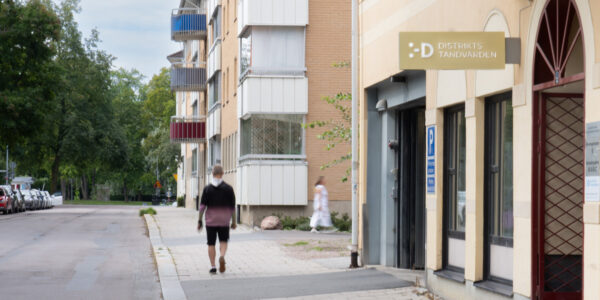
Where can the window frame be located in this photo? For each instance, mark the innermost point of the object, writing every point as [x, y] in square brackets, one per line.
[250, 155]
[493, 130]
[447, 231]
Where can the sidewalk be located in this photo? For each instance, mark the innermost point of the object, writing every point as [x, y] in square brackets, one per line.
[280, 264]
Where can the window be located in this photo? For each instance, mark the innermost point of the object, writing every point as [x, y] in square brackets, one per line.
[216, 26]
[226, 91]
[454, 187]
[273, 50]
[272, 134]
[215, 151]
[194, 162]
[214, 90]
[195, 108]
[499, 186]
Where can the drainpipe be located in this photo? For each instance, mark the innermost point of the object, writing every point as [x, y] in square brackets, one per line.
[354, 64]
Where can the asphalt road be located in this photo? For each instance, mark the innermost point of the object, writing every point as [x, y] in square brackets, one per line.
[77, 252]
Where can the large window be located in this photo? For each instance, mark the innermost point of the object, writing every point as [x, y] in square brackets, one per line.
[454, 186]
[216, 28]
[273, 50]
[194, 162]
[214, 90]
[499, 186]
[272, 134]
[215, 151]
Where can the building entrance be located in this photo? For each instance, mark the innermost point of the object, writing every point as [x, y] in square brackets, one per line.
[558, 235]
[411, 189]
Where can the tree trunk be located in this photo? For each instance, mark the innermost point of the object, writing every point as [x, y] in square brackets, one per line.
[125, 191]
[54, 175]
[84, 187]
[63, 188]
[93, 186]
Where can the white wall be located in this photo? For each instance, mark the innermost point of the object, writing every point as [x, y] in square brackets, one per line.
[272, 13]
[273, 95]
[273, 183]
[214, 60]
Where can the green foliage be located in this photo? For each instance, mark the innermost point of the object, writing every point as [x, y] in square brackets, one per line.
[147, 211]
[342, 224]
[28, 32]
[180, 201]
[336, 131]
[289, 223]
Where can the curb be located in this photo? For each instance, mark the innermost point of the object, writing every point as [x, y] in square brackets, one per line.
[167, 273]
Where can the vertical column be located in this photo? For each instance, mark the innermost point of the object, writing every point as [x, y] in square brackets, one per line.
[474, 114]
[434, 201]
[388, 205]
[591, 207]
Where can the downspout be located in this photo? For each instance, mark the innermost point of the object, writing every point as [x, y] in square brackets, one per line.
[354, 63]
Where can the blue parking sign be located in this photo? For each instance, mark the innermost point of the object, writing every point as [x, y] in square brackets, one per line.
[431, 141]
[430, 185]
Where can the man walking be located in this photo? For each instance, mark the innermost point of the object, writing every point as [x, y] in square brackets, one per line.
[218, 201]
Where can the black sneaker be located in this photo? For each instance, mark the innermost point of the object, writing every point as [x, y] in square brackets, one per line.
[213, 271]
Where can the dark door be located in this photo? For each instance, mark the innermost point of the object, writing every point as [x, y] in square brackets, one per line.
[559, 210]
[411, 189]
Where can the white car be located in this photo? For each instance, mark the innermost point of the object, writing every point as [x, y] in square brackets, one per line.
[50, 199]
[57, 198]
[31, 201]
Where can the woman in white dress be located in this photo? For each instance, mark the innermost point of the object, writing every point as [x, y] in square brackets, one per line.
[321, 216]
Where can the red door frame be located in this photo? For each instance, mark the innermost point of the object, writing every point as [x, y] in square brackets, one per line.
[538, 198]
[538, 170]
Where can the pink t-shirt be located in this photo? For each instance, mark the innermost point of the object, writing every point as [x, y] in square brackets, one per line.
[217, 216]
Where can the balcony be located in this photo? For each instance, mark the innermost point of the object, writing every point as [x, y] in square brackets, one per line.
[273, 94]
[188, 129]
[212, 6]
[273, 182]
[214, 59]
[188, 79]
[271, 13]
[188, 24]
[214, 120]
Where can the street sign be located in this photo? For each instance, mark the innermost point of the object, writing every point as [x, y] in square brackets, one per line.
[175, 176]
[157, 185]
[452, 50]
[430, 160]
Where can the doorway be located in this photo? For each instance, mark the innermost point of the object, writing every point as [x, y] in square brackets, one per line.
[411, 189]
[558, 154]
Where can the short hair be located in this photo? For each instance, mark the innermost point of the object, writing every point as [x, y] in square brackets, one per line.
[217, 170]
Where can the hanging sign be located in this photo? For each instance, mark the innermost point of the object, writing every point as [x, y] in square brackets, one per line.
[452, 50]
[592, 162]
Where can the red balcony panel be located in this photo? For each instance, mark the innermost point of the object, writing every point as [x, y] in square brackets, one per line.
[184, 130]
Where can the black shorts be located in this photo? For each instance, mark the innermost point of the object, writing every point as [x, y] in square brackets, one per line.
[211, 234]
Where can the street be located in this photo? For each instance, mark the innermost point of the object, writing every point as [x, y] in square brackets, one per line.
[77, 252]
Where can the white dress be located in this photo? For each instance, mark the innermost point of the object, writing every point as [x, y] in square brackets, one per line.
[321, 217]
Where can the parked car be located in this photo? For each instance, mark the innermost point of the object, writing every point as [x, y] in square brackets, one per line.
[17, 197]
[57, 198]
[43, 201]
[6, 202]
[50, 200]
[31, 199]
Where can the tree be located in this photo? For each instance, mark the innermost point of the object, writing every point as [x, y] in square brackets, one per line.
[28, 31]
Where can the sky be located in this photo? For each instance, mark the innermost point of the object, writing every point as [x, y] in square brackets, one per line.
[136, 32]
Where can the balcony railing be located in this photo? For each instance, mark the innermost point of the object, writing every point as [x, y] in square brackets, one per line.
[188, 79]
[188, 24]
[188, 129]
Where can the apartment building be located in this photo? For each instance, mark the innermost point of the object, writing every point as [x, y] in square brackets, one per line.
[270, 62]
[494, 170]
[188, 81]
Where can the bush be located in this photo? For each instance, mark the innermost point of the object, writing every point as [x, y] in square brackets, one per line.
[304, 226]
[180, 202]
[342, 224]
[149, 211]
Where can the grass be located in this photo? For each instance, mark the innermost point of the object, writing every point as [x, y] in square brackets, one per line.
[149, 211]
[299, 243]
[97, 202]
[317, 248]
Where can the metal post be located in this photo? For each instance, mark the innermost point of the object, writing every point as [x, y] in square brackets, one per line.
[354, 63]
